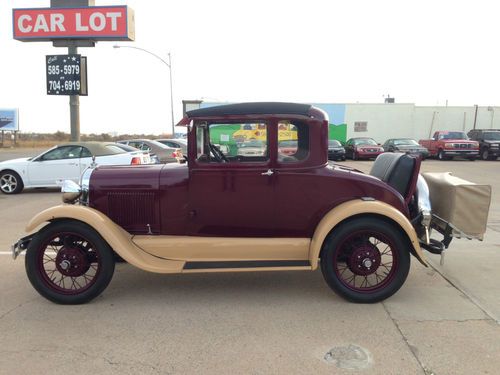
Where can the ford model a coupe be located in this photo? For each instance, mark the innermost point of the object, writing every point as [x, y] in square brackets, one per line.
[252, 211]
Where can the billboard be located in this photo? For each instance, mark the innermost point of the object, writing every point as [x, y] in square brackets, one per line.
[9, 120]
[95, 23]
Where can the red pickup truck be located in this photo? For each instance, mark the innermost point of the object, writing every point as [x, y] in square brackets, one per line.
[446, 144]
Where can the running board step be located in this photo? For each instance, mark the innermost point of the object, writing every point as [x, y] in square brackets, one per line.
[246, 264]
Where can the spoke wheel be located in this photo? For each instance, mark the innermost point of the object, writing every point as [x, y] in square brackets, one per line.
[10, 182]
[69, 263]
[365, 260]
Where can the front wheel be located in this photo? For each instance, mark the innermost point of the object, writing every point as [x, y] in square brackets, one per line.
[69, 263]
[11, 182]
[441, 155]
[365, 260]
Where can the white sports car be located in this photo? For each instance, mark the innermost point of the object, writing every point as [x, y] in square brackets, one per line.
[64, 162]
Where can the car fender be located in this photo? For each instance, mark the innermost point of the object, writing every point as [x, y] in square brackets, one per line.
[119, 240]
[20, 169]
[361, 207]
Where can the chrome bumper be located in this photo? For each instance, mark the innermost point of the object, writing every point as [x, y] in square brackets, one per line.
[20, 246]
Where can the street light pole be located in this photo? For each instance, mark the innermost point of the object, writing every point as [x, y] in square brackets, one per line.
[169, 65]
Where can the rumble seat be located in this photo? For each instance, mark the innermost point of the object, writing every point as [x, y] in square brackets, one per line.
[396, 169]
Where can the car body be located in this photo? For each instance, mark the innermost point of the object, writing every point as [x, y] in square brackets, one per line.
[406, 145]
[362, 148]
[174, 143]
[66, 161]
[164, 153]
[227, 213]
[335, 150]
[489, 142]
[251, 148]
[446, 144]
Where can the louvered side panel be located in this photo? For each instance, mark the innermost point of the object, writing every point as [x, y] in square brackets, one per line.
[136, 209]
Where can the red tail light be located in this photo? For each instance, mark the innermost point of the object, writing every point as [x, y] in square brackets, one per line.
[135, 161]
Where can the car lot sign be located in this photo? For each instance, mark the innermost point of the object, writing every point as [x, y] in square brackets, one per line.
[66, 75]
[93, 23]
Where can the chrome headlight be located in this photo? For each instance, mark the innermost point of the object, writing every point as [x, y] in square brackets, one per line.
[71, 191]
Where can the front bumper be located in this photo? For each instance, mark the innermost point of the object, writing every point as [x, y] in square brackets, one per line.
[20, 246]
[334, 154]
[368, 155]
[466, 153]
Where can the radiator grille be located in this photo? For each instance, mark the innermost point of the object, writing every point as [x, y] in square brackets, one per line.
[128, 208]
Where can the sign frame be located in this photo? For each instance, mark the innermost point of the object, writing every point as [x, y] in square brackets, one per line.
[61, 76]
[127, 35]
[14, 125]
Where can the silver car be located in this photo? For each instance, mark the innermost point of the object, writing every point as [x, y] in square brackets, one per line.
[164, 153]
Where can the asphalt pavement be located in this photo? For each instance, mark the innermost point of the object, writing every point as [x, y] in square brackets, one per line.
[444, 320]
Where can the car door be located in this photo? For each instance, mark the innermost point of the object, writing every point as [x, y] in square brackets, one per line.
[56, 165]
[231, 197]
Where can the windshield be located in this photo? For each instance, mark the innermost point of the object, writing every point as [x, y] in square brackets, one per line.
[334, 143]
[365, 141]
[492, 136]
[453, 135]
[405, 142]
[124, 147]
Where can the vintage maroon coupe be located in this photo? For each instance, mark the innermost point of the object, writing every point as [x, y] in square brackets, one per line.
[266, 211]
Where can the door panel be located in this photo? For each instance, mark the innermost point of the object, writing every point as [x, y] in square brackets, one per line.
[62, 163]
[231, 202]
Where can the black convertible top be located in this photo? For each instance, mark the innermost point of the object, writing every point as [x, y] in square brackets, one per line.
[259, 108]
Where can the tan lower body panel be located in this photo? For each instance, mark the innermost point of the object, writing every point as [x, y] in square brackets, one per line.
[198, 249]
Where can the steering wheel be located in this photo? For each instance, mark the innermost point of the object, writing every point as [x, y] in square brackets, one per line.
[218, 154]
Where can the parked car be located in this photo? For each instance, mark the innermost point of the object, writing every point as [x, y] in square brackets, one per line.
[446, 145]
[362, 148]
[287, 148]
[251, 148]
[406, 145]
[256, 213]
[335, 150]
[164, 153]
[489, 142]
[66, 161]
[154, 159]
[175, 143]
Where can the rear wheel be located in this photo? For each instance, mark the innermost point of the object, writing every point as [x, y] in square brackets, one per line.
[11, 182]
[68, 262]
[365, 260]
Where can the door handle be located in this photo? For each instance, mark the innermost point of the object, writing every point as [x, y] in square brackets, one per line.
[268, 173]
[72, 163]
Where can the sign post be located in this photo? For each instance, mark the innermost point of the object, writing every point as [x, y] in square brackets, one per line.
[73, 24]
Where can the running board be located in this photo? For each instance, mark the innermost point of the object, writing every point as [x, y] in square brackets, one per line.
[250, 265]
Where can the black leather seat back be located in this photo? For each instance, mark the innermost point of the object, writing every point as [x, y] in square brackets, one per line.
[396, 169]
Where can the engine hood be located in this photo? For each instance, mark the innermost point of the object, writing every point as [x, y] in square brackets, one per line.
[125, 177]
[18, 161]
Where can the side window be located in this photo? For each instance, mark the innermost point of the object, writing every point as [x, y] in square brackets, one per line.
[85, 153]
[241, 142]
[293, 141]
[64, 152]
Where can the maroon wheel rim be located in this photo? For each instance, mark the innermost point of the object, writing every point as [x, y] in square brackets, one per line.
[68, 263]
[366, 261]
